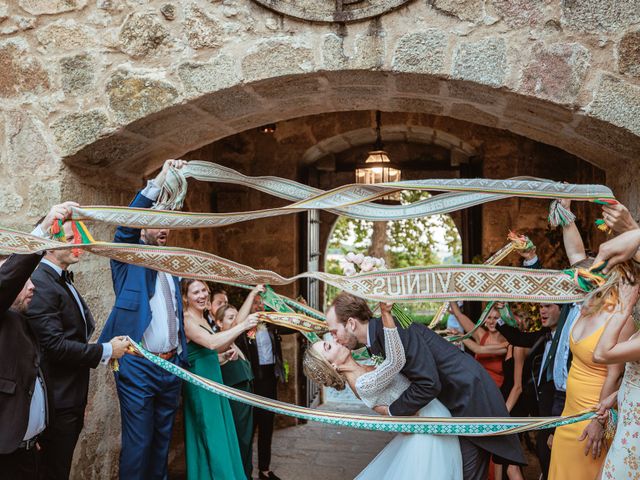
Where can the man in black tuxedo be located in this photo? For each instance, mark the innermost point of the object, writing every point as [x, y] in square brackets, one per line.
[23, 393]
[543, 344]
[436, 369]
[264, 352]
[63, 324]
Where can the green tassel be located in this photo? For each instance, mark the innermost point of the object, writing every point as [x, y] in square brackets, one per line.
[401, 315]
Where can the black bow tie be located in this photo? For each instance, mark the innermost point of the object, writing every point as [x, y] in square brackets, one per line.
[67, 276]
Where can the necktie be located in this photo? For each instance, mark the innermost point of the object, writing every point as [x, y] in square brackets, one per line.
[67, 276]
[548, 366]
[172, 321]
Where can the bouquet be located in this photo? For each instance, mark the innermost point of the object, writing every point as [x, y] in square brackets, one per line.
[354, 263]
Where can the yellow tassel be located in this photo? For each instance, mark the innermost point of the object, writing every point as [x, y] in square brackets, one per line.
[604, 228]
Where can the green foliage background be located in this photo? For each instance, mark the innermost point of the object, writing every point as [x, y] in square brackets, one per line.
[409, 243]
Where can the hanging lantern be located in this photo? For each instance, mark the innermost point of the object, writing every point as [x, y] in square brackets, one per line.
[378, 168]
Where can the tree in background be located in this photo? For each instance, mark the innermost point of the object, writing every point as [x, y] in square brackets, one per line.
[403, 243]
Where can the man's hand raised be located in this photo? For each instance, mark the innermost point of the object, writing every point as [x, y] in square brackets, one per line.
[61, 211]
[162, 176]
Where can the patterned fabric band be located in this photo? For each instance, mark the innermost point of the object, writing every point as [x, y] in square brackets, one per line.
[415, 284]
[494, 259]
[297, 321]
[281, 303]
[350, 200]
[434, 426]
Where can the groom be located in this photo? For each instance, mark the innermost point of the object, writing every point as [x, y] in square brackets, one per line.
[436, 369]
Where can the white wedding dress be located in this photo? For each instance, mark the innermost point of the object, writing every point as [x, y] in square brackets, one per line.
[407, 456]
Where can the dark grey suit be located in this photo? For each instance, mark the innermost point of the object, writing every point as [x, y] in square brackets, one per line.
[439, 370]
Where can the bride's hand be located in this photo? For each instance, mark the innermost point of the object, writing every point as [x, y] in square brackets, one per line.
[382, 410]
[387, 316]
[386, 307]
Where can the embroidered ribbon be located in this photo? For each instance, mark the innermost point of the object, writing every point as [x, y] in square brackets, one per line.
[435, 426]
[352, 200]
[297, 321]
[281, 303]
[414, 284]
[175, 187]
[516, 242]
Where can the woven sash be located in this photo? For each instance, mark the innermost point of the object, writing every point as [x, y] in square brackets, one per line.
[351, 200]
[435, 426]
[414, 284]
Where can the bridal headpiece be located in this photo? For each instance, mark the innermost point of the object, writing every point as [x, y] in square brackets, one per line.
[320, 371]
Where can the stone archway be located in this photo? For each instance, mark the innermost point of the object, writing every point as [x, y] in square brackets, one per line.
[398, 132]
[111, 83]
[96, 94]
[211, 116]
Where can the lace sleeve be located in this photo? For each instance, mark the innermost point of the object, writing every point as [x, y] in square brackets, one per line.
[383, 375]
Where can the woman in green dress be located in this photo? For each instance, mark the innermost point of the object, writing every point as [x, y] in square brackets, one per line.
[211, 443]
[236, 373]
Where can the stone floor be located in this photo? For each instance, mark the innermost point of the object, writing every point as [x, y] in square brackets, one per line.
[315, 451]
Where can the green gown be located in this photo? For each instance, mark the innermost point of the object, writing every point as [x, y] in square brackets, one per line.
[211, 443]
[237, 374]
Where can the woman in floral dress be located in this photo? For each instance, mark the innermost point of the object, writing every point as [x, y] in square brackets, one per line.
[622, 461]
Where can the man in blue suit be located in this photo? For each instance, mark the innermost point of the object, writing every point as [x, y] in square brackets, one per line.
[148, 308]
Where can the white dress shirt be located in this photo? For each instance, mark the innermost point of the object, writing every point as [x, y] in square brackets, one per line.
[156, 336]
[265, 347]
[560, 370]
[37, 408]
[37, 411]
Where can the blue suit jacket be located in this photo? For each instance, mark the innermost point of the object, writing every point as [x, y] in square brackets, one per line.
[134, 287]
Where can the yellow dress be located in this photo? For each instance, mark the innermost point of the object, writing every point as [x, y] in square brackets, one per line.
[568, 461]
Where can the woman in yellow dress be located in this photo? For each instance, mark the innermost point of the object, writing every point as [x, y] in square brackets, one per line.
[578, 452]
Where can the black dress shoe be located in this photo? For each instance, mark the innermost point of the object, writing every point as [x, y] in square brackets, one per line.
[268, 476]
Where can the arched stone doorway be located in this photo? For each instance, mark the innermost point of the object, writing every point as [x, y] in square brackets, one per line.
[280, 244]
[97, 94]
[136, 147]
[439, 234]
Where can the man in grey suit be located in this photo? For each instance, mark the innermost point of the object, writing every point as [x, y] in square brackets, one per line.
[436, 369]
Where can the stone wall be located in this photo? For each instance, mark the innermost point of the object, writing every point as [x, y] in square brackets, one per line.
[113, 81]
[95, 94]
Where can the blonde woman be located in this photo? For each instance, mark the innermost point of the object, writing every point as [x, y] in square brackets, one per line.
[577, 451]
[407, 456]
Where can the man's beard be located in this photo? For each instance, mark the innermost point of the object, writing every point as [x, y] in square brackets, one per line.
[20, 306]
[352, 342]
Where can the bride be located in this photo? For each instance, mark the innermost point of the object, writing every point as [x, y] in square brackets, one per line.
[407, 455]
